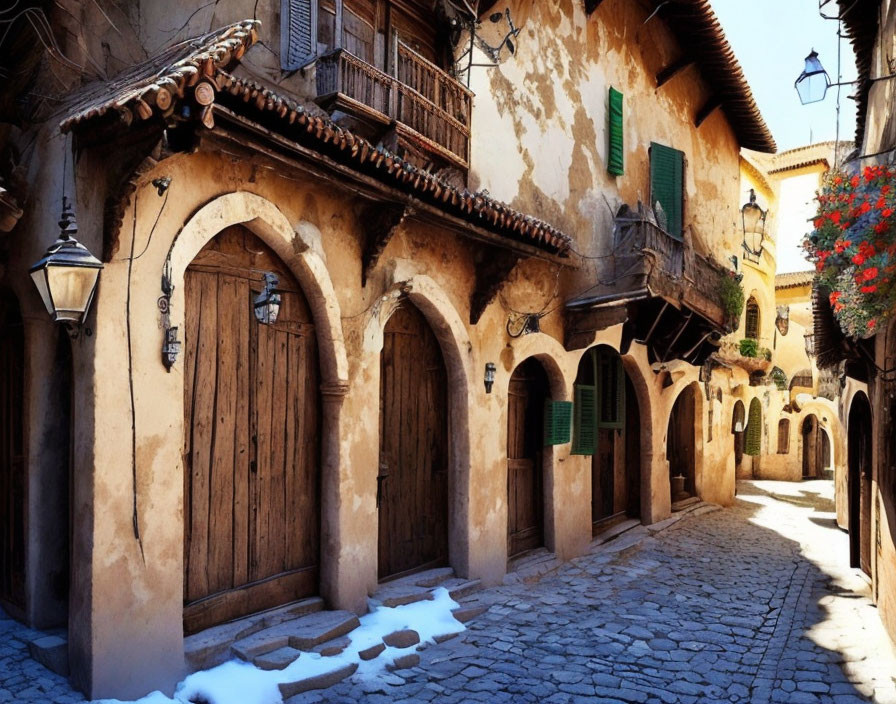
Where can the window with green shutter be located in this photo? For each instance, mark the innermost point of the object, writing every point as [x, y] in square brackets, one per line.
[615, 153]
[667, 186]
[584, 439]
[754, 429]
[557, 422]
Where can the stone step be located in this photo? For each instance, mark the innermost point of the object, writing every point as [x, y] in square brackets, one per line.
[212, 646]
[302, 633]
[458, 588]
[467, 613]
[398, 594]
[614, 532]
[684, 503]
[277, 659]
[433, 577]
[51, 651]
[327, 679]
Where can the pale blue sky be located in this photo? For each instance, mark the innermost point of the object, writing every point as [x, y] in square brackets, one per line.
[771, 39]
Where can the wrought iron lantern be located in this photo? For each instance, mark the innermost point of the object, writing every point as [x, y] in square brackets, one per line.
[67, 275]
[813, 82]
[489, 376]
[753, 221]
[267, 303]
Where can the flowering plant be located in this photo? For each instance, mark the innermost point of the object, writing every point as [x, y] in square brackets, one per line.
[853, 247]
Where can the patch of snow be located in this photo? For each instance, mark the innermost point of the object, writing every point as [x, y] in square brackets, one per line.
[237, 682]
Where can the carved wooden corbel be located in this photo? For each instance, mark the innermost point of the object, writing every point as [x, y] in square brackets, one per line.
[380, 222]
[669, 72]
[711, 105]
[491, 274]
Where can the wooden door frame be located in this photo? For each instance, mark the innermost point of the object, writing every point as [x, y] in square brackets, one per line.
[858, 426]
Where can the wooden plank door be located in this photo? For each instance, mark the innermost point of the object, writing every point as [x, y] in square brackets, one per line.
[680, 438]
[412, 494]
[525, 429]
[251, 454]
[12, 455]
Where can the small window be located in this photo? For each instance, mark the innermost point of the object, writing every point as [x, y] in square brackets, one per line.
[783, 436]
[751, 322]
[667, 187]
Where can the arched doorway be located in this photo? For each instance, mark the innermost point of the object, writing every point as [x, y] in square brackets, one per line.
[681, 446]
[252, 437]
[526, 396]
[859, 478]
[412, 485]
[815, 447]
[607, 426]
[12, 455]
[738, 423]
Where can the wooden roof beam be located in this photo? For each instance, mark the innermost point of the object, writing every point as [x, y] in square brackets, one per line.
[709, 107]
[669, 72]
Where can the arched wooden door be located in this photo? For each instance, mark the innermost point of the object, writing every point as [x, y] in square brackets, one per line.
[12, 454]
[608, 428]
[252, 437]
[859, 476]
[811, 447]
[412, 485]
[680, 441]
[525, 447]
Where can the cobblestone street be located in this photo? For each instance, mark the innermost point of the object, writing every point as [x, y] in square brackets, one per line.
[753, 603]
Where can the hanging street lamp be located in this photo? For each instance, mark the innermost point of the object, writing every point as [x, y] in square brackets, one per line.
[753, 221]
[67, 275]
[813, 83]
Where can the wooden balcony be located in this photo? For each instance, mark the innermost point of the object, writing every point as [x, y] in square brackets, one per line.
[429, 110]
[667, 294]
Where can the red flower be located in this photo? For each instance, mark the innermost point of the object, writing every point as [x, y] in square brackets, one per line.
[818, 222]
[881, 202]
[887, 212]
[885, 189]
[865, 207]
[834, 296]
[869, 273]
[854, 181]
[819, 265]
[872, 323]
[868, 289]
[835, 217]
[838, 181]
[858, 259]
[840, 245]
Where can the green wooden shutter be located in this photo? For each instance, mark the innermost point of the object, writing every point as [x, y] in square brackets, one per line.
[666, 184]
[754, 429]
[611, 387]
[615, 153]
[298, 33]
[557, 422]
[584, 432]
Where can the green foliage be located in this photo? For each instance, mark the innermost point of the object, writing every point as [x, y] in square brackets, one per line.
[753, 444]
[749, 347]
[731, 296]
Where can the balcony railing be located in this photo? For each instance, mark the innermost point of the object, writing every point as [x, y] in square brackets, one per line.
[421, 97]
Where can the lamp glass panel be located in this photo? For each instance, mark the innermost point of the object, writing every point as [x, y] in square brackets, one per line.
[812, 87]
[71, 288]
[752, 215]
[40, 281]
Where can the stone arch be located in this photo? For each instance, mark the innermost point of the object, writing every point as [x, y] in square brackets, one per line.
[298, 246]
[429, 298]
[684, 440]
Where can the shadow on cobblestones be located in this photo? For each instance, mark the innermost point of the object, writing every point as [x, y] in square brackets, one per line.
[754, 603]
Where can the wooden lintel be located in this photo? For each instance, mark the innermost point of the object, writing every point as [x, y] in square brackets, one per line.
[669, 72]
[581, 326]
[591, 5]
[709, 107]
[380, 222]
[346, 179]
[491, 274]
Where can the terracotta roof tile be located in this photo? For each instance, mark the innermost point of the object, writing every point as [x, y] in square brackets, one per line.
[795, 278]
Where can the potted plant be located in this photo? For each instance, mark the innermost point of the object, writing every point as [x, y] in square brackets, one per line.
[853, 246]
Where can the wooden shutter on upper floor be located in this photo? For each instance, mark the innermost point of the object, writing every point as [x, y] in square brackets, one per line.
[615, 153]
[666, 185]
[298, 33]
[783, 436]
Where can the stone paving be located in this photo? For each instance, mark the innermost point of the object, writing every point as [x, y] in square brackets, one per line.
[749, 604]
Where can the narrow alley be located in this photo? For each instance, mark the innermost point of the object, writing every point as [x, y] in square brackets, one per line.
[750, 603]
